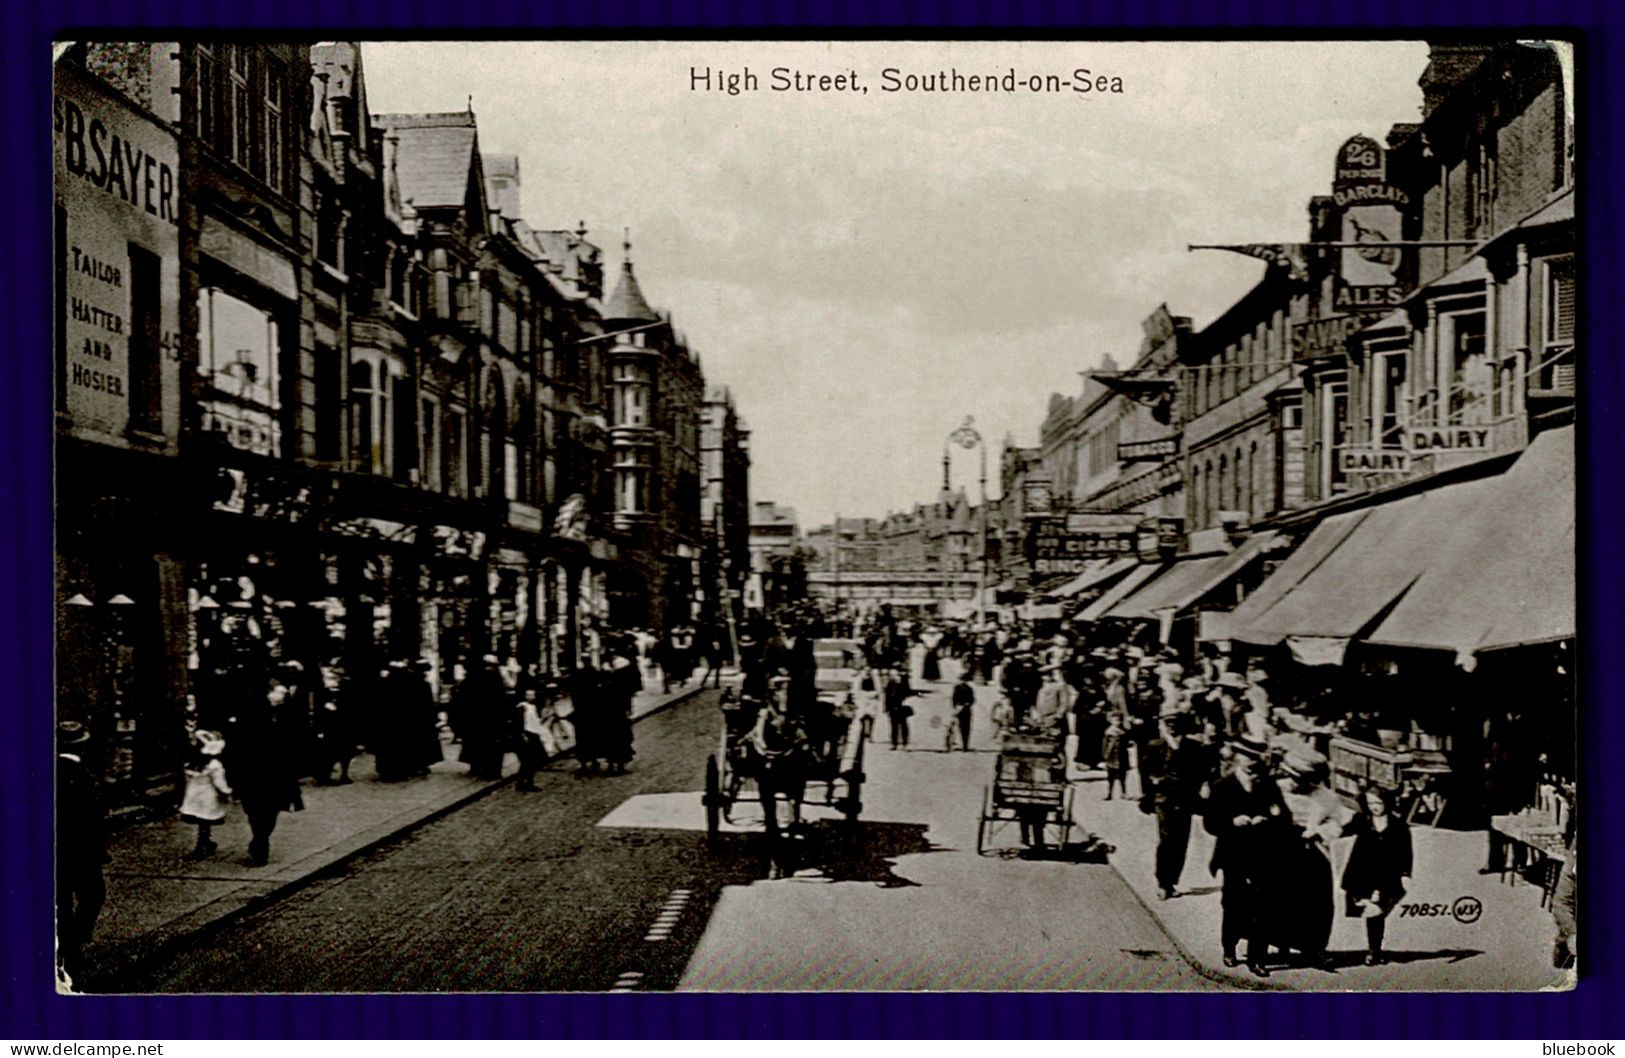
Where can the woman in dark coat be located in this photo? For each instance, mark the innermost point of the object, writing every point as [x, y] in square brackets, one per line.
[619, 683]
[486, 720]
[1379, 868]
[261, 770]
[586, 699]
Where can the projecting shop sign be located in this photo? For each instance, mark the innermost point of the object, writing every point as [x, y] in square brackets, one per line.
[1065, 546]
[1373, 215]
[1148, 451]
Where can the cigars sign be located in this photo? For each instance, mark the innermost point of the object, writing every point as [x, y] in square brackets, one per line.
[117, 192]
[1065, 545]
[1372, 215]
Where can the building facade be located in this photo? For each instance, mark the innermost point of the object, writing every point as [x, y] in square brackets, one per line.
[324, 397]
[724, 510]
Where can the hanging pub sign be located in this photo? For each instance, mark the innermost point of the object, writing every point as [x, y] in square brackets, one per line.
[1036, 497]
[1065, 546]
[1365, 460]
[1148, 451]
[1372, 214]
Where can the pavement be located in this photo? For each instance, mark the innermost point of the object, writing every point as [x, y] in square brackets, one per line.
[159, 898]
[905, 902]
[1468, 932]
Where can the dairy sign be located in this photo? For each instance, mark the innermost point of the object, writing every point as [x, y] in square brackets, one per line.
[117, 190]
[1373, 215]
[1426, 440]
[1365, 460]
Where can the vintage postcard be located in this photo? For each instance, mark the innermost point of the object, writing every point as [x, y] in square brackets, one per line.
[723, 516]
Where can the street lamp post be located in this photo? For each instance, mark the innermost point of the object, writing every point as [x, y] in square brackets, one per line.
[966, 436]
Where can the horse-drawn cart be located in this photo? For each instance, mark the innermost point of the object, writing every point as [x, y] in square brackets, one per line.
[770, 751]
[1030, 789]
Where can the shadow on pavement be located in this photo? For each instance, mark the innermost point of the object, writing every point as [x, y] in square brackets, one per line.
[1090, 849]
[844, 852]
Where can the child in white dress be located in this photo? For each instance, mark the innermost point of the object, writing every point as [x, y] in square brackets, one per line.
[204, 803]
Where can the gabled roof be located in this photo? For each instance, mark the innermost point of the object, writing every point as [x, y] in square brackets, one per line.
[435, 158]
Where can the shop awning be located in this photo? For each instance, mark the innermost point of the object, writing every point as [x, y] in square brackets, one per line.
[1508, 578]
[1309, 554]
[1189, 580]
[1356, 584]
[1137, 576]
[1094, 577]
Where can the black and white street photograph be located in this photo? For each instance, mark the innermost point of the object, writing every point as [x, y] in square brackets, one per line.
[743, 516]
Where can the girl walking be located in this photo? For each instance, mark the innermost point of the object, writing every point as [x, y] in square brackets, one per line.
[204, 803]
[1379, 868]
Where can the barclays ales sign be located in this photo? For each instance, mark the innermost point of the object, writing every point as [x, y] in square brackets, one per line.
[1372, 215]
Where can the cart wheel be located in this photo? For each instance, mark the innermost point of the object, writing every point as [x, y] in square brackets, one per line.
[713, 799]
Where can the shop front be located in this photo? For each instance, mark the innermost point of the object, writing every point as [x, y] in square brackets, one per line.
[1422, 645]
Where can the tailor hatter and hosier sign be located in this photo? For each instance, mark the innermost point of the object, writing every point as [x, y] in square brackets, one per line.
[1373, 214]
[118, 210]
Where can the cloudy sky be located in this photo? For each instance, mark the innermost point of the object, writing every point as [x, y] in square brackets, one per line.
[865, 269]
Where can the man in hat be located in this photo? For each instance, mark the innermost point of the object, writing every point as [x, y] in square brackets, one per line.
[81, 847]
[1053, 701]
[1248, 818]
[1172, 772]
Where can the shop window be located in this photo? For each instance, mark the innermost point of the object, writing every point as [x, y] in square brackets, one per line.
[238, 345]
[329, 404]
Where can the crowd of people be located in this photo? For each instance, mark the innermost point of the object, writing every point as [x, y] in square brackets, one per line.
[1203, 741]
[256, 729]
